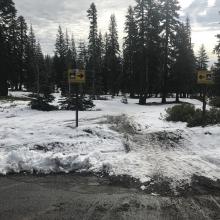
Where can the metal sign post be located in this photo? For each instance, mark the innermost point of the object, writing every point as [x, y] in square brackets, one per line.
[204, 100]
[205, 78]
[77, 106]
[76, 77]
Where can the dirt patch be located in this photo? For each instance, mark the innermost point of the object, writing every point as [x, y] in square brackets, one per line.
[47, 147]
[203, 186]
[85, 197]
[166, 139]
[163, 139]
[123, 124]
[162, 186]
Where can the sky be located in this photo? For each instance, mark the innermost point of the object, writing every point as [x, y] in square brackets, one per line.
[47, 15]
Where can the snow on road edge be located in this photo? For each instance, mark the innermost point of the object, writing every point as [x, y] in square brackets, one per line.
[48, 142]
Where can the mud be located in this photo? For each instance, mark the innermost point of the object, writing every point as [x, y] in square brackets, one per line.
[88, 197]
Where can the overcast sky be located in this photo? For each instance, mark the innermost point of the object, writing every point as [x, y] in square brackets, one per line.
[46, 15]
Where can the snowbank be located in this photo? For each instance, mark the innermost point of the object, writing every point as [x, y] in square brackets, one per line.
[142, 145]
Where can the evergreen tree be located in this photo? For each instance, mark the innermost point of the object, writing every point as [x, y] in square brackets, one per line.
[112, 57]
[100, 59]
[60, 60]
[22, 44]
[7, 20]
[202, 59]
[169, 14]
[105, 69]
[148, 20]
[13, 51]
[141, 15]
[82, 58]
[48, 75]
[217, 67]
[202, 64]
[61, 43]
[153, 43]
[93, 65]
[31, 74]
[43, 85]
[73, 52]
[184, 68]
[41, 75]
[68, 50]
[130, 80]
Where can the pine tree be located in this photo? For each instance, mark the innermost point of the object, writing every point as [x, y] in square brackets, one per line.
[48, 75]
[92, 68]
[217, 66]
[40, 70]
[130, 80]
[73, 52]
[68, 50]
[105, 68]
[60, 45]
[169, 14]
[184, 67]
[7, 20]
[202, 59]
[190, 65]
[22, 44]
[31, 74]
[153, 43]
[60, 61]
[100, 60]
[141, 15]
[82, 58]
[43, 85]
[148, 20]
[112, 57]
[14, 53]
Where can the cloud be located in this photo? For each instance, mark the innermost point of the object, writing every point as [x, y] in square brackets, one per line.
[47, 15]
[205, 21]
[204, 14]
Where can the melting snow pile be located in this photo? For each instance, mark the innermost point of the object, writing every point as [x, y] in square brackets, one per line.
[120, 139]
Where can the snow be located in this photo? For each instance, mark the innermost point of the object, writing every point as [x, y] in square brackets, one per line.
[45, 142]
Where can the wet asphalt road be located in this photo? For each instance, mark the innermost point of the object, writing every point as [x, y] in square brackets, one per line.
[25, 197]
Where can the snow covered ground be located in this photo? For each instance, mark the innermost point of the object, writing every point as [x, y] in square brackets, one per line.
[116, 138]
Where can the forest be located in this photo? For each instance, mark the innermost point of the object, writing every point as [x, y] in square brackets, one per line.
[156, 58]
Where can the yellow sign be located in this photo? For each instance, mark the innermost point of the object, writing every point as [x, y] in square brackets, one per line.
[77, 76]
[205, 77]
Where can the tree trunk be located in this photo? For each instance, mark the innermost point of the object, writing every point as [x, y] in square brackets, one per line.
[142, 99]
[132, 96]
[3, 88]
[164, 100]
[177, 98]
[165, 67]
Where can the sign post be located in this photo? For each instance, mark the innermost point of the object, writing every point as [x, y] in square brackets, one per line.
[77, 106]
[76, 77]
[205, 78]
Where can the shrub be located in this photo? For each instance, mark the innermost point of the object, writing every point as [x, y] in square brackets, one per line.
[215, 102]
[196, 119]
[124, 100]
[181, 113]
[83, 104]
[193, 117]
[41, 103]
[213, 116]
[11, 98]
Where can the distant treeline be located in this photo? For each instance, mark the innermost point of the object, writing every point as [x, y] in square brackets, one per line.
[157, 56]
